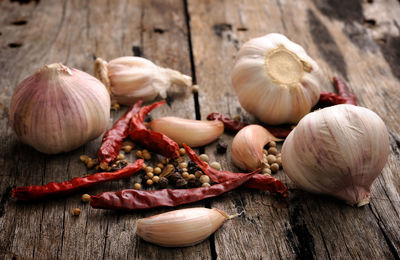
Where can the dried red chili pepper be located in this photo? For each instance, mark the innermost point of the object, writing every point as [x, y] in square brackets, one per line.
[344, 96]
[137, 121]
[112, 139]
[139, 199]
[257, 181]
[235, 125]
[36, 192]
[156, 142]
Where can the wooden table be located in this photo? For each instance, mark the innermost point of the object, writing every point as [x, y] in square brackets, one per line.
[356, 40]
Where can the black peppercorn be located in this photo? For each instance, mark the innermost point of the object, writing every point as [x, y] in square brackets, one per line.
[221, 147]
[194, 183]
[191, 164]
[181, 183]
[163, 182]
[175, 177]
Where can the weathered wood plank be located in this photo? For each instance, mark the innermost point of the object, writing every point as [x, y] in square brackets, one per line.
[73, 32]
[336, 36]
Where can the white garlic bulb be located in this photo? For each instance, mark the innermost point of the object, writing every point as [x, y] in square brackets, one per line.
[132, 78]
[276, 80]
[58, 109]
[338, 151]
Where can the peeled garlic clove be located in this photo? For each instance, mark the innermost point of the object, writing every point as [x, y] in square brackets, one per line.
[132, 78]
[248, 145]
[59, 108]
[193, 133]
[276, 80]
[179, 228]
[337, 151]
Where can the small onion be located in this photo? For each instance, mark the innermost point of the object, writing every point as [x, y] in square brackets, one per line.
[58, 109]
[338, 151]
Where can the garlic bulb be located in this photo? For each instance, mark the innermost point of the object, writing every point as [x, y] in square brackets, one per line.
[338, 151]
[179, 228]
[247, 147]
[193, 133]
[276, 80]
[129, 79]
[58, 109]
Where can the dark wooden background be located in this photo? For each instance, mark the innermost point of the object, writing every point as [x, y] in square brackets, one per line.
[357, 40]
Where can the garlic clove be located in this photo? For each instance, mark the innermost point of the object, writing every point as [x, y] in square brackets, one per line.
[180, 228]
[133, 78]
[58, 109]
[338, 151]
[248, 145]
[193, 133]
[276, 80]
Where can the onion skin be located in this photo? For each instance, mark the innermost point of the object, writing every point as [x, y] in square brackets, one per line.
[58, 109]
[338, 151]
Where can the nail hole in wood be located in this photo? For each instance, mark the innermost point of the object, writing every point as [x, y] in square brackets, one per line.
[243, 29]
[370, 22]
[15, 45]
[19, 22]
[137, 51]
[21, 2]
[159, 30]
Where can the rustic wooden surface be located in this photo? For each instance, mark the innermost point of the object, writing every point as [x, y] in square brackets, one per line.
[356, 40]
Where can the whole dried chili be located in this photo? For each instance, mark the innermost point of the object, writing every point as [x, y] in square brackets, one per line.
[156, 142]
[137, 121]
[112, 139]
[344, 96]
[257, 181]
[139, 199]
[36, 192]
[235, 125]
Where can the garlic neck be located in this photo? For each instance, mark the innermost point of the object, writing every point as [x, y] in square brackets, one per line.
[178, 78]
[56, 68]
[285, 67]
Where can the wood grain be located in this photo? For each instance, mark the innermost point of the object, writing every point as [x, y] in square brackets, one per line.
[356, 40]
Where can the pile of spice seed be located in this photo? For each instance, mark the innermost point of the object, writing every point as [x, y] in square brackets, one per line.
[175, 173]
[272, 159]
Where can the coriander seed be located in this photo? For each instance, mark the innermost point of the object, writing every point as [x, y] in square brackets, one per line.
[149, 182]
[155, 179]
[149, 169]
[198, 174]
[204, 179]
[85, 198]
[185, 175]
[273, 151]
[272, 144]
[182, 151]
[84, 158]
[271, 158]
[150, 174]
[137, 186]
[157, 170]
[274, 167]
[120, 156]
[183, 165]
[76, 211]
[216, 165]
[206, 184]
[204, 157]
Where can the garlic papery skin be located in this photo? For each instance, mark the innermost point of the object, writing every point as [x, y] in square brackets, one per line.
[58, 109]
[132, 78]
[193, 133]
[338, 151]
[276, 80]
[248, 145]
[180, 228]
